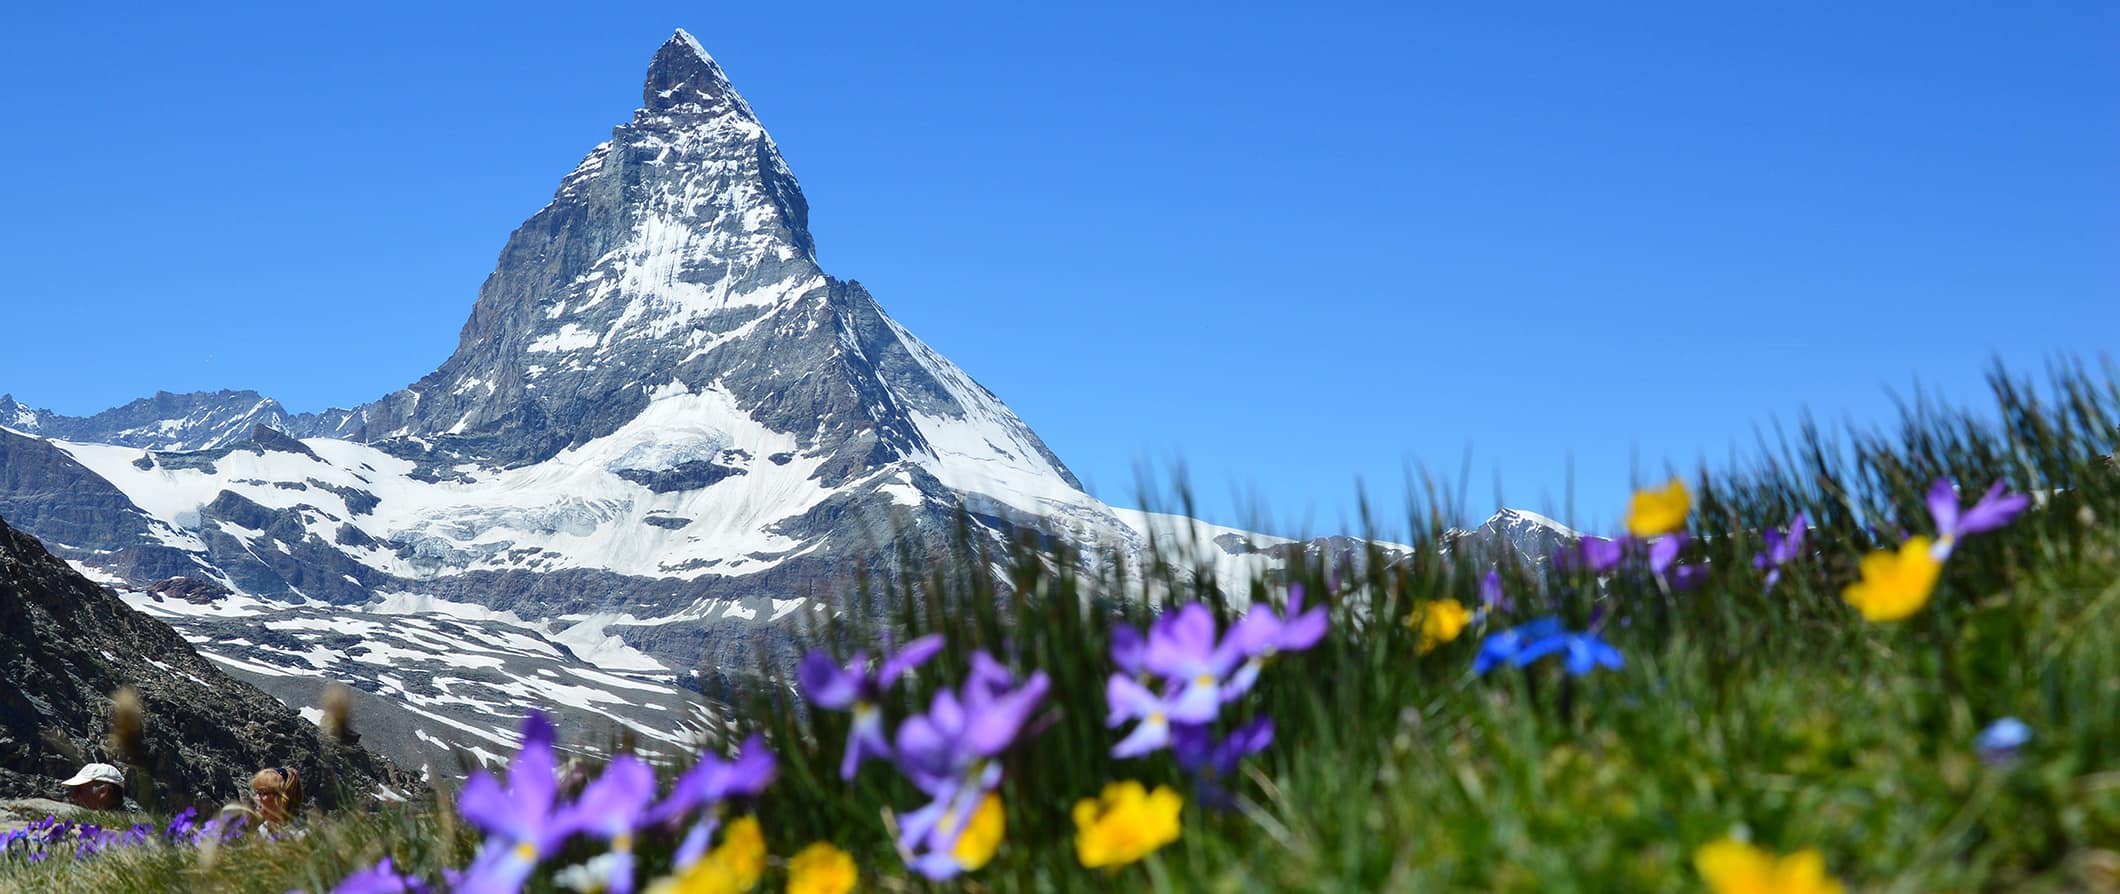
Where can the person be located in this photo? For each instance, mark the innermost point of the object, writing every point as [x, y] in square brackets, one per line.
[278, 793]
[97, 787]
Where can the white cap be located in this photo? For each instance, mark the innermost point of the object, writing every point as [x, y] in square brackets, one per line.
[96, 773]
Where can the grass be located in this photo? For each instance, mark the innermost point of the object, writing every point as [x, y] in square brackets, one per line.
[1782, 717]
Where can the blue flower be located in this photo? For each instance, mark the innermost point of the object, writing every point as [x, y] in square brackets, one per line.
[1522, 646]
[2002, 740]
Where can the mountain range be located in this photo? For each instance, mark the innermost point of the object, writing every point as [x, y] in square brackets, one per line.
[665, 435]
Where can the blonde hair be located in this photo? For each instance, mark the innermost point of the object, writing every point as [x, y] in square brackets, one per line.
[285, 783]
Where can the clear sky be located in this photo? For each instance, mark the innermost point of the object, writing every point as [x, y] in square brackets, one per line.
[1292, 245]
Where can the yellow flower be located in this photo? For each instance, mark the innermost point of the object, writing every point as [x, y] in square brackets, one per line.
[1895, 585]
[1734, 867]
[1659, 511]
[743, 850]
[733, 866]
[821, 869]
[1439, 621]
[982, 834]
[1125, 824]
[708, 876]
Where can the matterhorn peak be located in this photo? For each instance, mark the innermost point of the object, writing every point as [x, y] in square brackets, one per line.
[685, 79]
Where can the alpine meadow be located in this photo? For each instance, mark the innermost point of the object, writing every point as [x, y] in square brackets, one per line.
[691, 570]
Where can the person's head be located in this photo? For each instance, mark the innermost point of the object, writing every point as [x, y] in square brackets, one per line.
[278, 794]
[97, 787]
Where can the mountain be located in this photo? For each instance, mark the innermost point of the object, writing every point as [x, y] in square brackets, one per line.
[666, 435]
[666, 440]
[66, 645]
[1513, 536]
[201, 420]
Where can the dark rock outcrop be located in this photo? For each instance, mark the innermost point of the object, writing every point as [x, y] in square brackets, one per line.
[67, 644]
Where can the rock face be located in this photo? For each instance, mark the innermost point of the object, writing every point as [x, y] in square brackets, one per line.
[1514, 537]
[67, 644]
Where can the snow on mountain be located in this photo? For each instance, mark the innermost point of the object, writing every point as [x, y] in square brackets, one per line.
[1515, 536]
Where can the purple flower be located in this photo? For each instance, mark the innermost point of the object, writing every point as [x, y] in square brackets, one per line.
[1129, 651]
[1993, 510]
[1260, 635]
[182, 825]
[950, 754]
[1197, 752]
[928, 836]
[959, 734]
[518, 821]
[1663, 562]
[1183, 649]
[708, 783]
[609, 809]
[1492, 598]
[1129, 700]
[1598, 555]
[830, 686]
[382, 878]
[1781, 549]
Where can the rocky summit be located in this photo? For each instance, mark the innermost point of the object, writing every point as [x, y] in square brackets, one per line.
[666, 436]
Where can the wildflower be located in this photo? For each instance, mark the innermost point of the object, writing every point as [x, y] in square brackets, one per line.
[1439, 621]
[1492, 598]
[1261, 635]
[592, 877]
[1198, 753]
[731, 867]
[961, 836]
[1663, 563]
[1993, 510]
[1130, 700]
[830, 686]
[1895, 585]
[743, 851]
[1182, 648]
[518, 821]
[1781, 549]
[382, 878]
[1129, 651]
[821, 869]
[1124, 824]
[2002, 740]
[608, 809]
[958, 736]
[706, 785]
[182, 825]
[1734, 867]
[1597, 555]
[950, 754]
[1504, 646]
[1522, 646]
[1208, 760]
[1659, 511]
[1582, 653]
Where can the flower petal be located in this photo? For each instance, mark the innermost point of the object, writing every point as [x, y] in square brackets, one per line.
[825, 683]
[915, 654]
[1943, 506]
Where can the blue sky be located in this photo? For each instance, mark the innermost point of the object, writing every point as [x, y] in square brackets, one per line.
[1292, 245]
